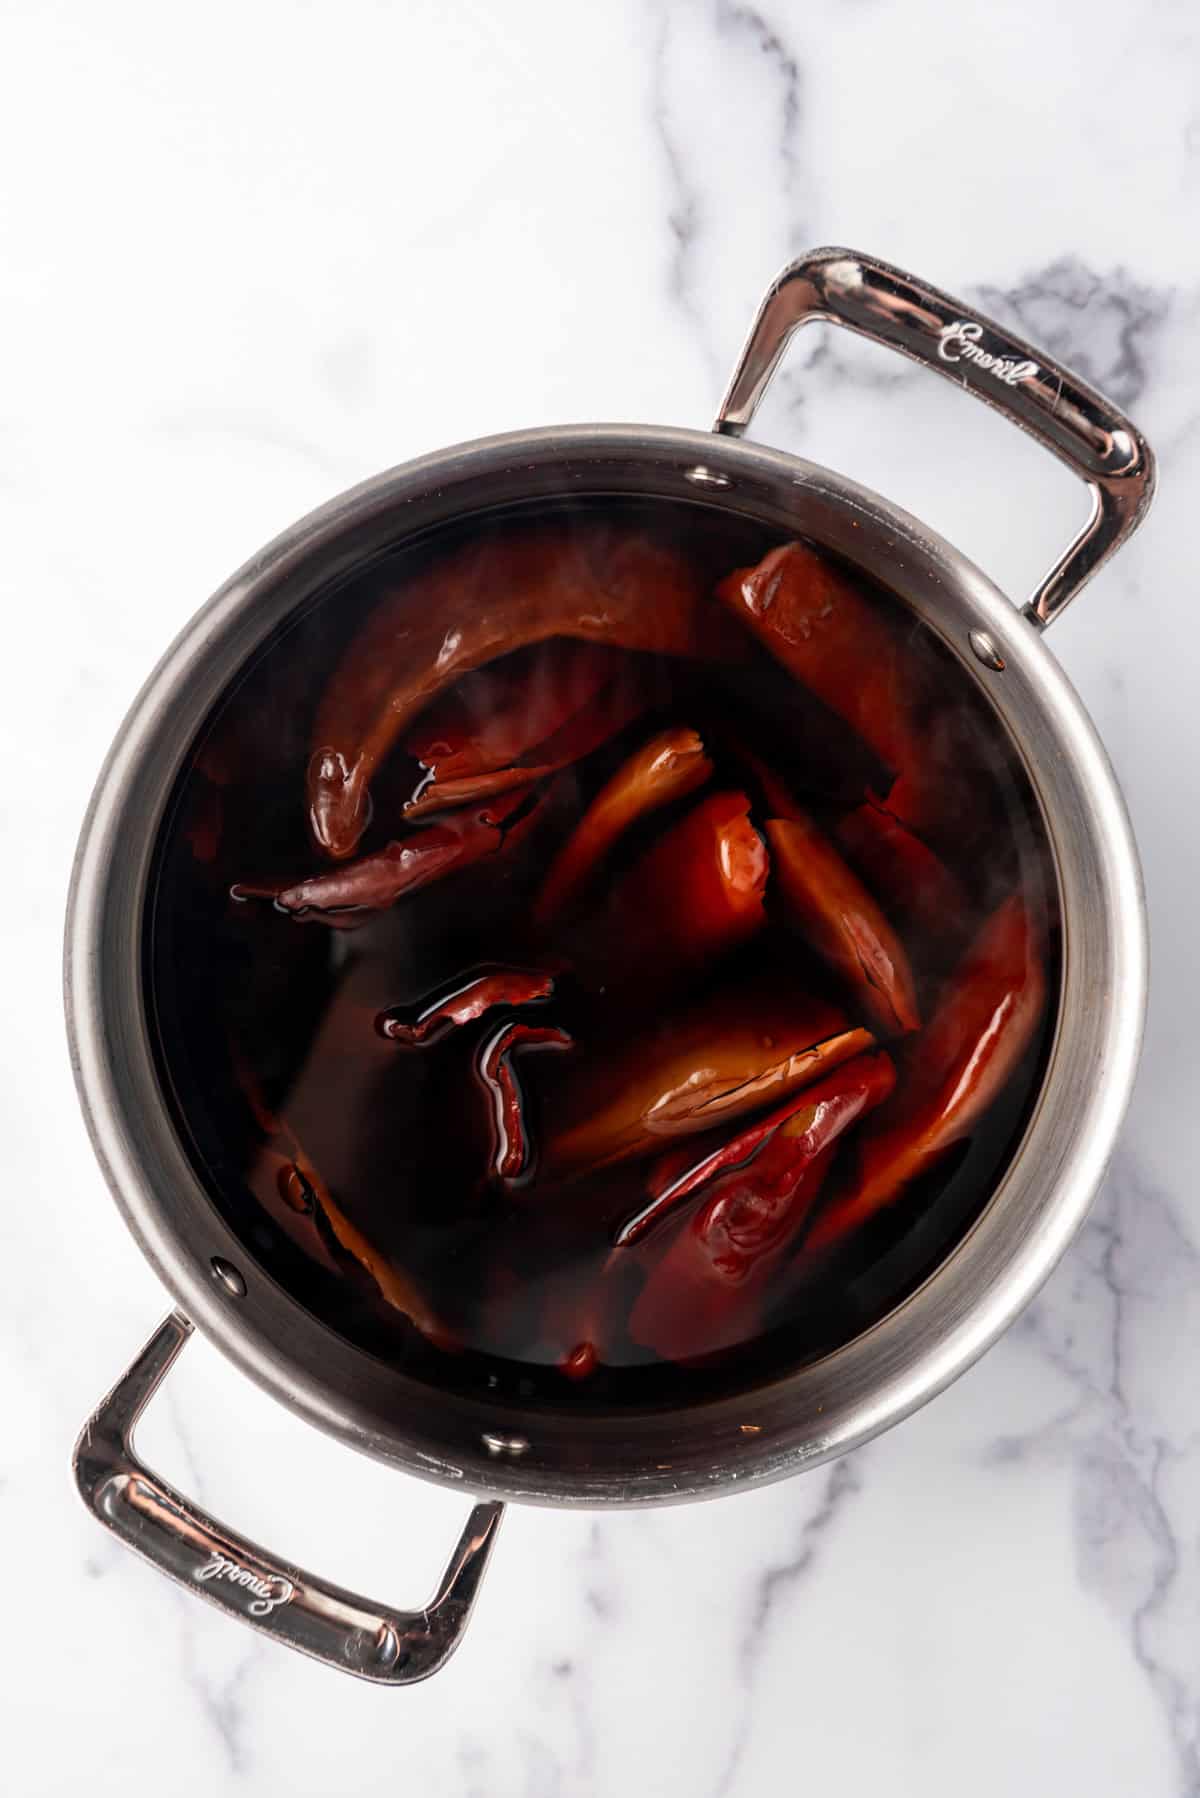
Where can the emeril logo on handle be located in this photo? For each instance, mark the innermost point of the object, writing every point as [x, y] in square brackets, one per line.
[267, 1594]
[960, 343]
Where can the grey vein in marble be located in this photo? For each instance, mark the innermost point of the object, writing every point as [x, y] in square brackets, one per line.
[1128, 1550]
[773, 1585]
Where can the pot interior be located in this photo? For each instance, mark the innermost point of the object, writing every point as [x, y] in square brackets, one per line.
[352, 1170]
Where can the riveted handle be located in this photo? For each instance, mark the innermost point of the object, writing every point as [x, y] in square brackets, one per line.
[1096, 441]
[247, 1581]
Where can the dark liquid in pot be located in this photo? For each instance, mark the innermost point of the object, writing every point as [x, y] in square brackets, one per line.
[358, 1168]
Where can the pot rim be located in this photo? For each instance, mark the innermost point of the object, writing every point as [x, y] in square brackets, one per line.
[822, 1409]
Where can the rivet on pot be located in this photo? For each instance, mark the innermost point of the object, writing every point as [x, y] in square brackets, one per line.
[700, 476]
[228, 1276]
[513, 1446]
[986, 651]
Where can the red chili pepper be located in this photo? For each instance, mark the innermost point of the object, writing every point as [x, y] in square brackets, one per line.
[720, 1059]
[696, 893]
[604, 715]
[510, 1138]
[504, 986]
[703, 1295]
[681, 1172]
[959, 1066]
[831, 637]
[586, 578]
[838, 916]
[903, 869]
[300, 1186]
[497, 714]
[668, 767]
[344, 897]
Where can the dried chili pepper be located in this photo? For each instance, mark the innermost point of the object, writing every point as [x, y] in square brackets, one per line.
[703, 1295]
[827, 634]
[840, 919]
[722, 1058]
[602, 717]
[497, 714]
[511, 1148]
[501, 986]
[902, 869]
[587, 579]
[697, 893]
[668, 767]
[959, 1066]
[343, 897]
[302, 1189]
[863, 1082]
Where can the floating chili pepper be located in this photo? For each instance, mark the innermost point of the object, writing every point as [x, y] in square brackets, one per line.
[344, 897]
[830, 636]
[587, 579]
[960, 1065]
[511, 1148]
[498, 713]
[697, 893]
[703, 1295]
[502, 986]
[728, 1055]
[604, 715]
[668, 767]
[838, 916]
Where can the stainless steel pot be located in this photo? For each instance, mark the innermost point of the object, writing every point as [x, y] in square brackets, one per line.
[874, 1380]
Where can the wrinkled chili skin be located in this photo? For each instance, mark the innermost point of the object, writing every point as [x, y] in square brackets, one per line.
[704, 1293]
[502, 986]
[669, 767]
[834, 911]
[723, 1057]
[587, 580]
[679, 1173]
[605, 715]
[343, 897]
[958, 1067]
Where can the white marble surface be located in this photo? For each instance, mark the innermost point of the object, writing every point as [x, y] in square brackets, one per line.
[249, 254]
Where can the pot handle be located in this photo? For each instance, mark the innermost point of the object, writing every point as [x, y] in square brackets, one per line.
[246, 1581]
[1079, 425]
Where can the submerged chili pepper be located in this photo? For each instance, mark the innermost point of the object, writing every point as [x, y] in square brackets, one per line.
[586, 578]
[830, 636]
[722, 1058]
[960, 1065]
[502, 986]
[903, 869]
[301, 1187]
[697, 893]
[703, 1295]
[344, 897]
[604, 715]
[498, 713]
[864, 1082]
[838, 916]
[511, 1148]
[668, 767]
